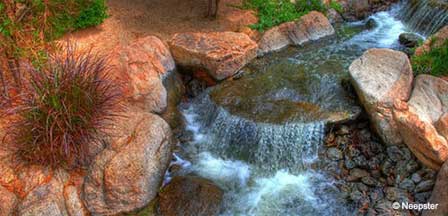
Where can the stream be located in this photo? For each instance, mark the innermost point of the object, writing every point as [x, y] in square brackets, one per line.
[258, 137]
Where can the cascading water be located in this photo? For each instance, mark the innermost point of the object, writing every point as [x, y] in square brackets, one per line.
[425, 16]
[258, 138]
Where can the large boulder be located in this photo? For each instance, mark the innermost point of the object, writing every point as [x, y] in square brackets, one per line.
[190, 196]
[221, 54]
[439, 194]
[141, 66]
[46, 199]
[420, 119]
[310, 27]
[127, 175]
[381, 76]
[8, 202]
[434, 41]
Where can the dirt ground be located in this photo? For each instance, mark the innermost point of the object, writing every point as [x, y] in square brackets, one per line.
[130, 19]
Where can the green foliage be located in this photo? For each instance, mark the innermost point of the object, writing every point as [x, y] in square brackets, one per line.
[336, 6]
[64, 108]
[306, 6]
[433, 62]
[92, 15]
[274, 12]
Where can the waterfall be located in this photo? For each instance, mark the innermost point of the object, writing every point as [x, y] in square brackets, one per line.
[270, 147]
[425, 16]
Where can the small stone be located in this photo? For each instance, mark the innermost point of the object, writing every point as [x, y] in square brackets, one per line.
[362, 187]
[394, 194]
[416, 178]
[422, 197]
[424, 186]
[349, 164]
[394, 153]
[407, 184]
[376, 194]
[330, 139]
[386, 167]
[368, 180]
[384, 207]
[356, 196]
[344, 130]
[371, 24]
[356, 174]
[361, 161]
[334, 154]
[409, 40]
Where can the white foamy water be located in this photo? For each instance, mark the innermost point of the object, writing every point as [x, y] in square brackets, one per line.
[264, 168]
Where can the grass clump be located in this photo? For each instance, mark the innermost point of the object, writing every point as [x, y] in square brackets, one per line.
[63, 110]
[433, 62]
[274, 12]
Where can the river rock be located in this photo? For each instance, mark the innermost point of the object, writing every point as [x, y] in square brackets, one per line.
[141, 66]
[416, 120]
[435, 40]
[310, 27]
[46, 199]
[190, 196]
[439, 194]
[8, 202]
[380, 77]
[409, 40]
[442, 125]
[127, 175]
[222, 54]
[73, 201]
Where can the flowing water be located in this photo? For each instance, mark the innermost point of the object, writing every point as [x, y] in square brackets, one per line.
[425, 16]
[258, 137]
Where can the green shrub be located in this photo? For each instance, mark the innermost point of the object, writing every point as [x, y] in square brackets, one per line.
[274, 12]
[306, 6]
[434, 62]
[336, 6]
[64, 109]
[92, 15]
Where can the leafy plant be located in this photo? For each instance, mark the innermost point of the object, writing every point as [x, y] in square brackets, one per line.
[92, 15]
[63, 110]
[306, 6]
[274, 12]
[432, 62]
[336, 6]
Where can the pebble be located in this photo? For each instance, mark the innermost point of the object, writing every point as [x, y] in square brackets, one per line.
[368, 180]
[334, 154]
[424, 186]
[407, 184]
[416, 178]
[356, 174]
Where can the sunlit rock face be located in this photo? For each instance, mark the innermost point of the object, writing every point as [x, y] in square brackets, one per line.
[221, 54]
[381, 76]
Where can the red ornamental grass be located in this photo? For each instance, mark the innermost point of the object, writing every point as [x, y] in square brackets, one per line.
[64, 110]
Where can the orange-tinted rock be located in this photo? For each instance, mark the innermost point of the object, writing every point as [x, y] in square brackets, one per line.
[418, 119]
[439, 194]
[46, 199]
[141, 67]
[310, 27]
[190, 196]
[442, 125]
[222, 54]
[435, 41]
[380, 77]
[8, 202]
[127, 177]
